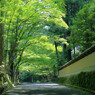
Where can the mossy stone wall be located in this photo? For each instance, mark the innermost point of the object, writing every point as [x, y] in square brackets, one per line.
[83, 79]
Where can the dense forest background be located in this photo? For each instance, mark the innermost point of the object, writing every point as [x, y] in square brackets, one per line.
[39, 36]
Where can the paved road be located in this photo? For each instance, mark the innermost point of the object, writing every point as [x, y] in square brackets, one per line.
[44, 89]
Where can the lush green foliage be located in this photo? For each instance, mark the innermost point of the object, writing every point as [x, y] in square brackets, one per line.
[83, 29]
[34, 32]
[40, 57]
[24, 22]
[83, 79]
[80, 18]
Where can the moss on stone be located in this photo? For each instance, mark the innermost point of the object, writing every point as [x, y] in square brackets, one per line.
[83, 79]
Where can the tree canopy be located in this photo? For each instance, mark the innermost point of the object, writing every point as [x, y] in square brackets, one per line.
[39, 36]
[83, 30]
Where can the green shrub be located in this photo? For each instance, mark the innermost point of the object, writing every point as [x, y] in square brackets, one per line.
[83, 79]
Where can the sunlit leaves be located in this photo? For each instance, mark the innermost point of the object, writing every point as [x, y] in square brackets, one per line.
[40, 55]
[24, 21]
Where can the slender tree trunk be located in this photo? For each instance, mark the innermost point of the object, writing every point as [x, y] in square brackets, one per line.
[69, 54]
[68, 21]
[69, 49]
[13, 53]
[1, 36]
[12, 57]
[54, 67]
[1, 43]
[16, 76]
[56, 52]
[74, 50]
[2, 52]
[64, 53]
[11, 62]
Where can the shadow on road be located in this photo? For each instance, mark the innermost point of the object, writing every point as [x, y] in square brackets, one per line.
[44, 89]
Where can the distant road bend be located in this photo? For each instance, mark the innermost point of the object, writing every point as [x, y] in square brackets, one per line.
[44, 89]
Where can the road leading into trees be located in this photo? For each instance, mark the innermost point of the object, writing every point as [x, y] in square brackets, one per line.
[44, 89]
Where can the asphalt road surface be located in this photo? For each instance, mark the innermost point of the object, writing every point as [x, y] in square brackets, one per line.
[44, 89]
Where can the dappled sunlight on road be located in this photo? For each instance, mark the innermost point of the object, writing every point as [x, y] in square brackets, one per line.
[44, 89]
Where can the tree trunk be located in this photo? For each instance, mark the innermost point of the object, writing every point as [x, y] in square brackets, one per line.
[69, 49]
[56, 52]
[1, 40]
[12, 58]
[1, 43]
[63, 54]
[16, 77]
[11, 61]
[1, 36]
[69, 54]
